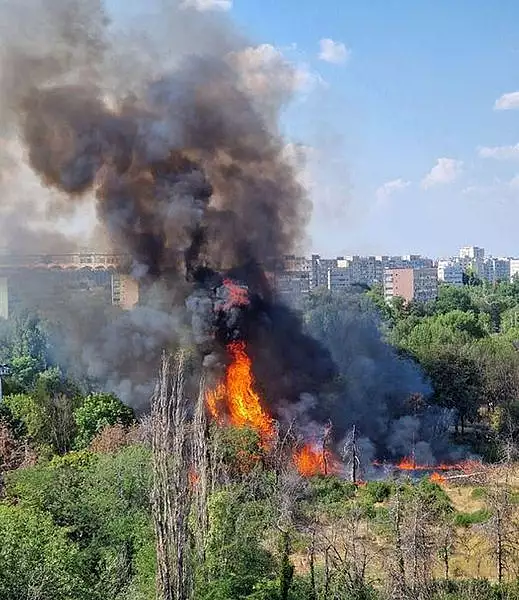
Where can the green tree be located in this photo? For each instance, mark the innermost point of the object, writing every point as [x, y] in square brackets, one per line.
[453, 298]
[47, 411]
[455, 328]
[102, 503]
[457, 382]
[236, 561]
[30, 339]
[37, 560]
[95, 413]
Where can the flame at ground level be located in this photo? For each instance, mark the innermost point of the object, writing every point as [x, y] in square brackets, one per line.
[312, 460]
[437, 478]
[409, 464]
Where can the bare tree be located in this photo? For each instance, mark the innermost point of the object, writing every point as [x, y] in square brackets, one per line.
[171, 495]
[502, 529]
[201, 471]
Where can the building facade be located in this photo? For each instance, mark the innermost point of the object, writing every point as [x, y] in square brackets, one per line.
[497, 269]
[450, 271]
[419, 285]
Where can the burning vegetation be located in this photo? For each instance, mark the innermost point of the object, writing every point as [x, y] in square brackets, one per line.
[190, 178]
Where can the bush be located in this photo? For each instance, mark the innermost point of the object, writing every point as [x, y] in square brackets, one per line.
[464, 519]
[330, 489]
[378, 491]
[97, 412]
[36, 558]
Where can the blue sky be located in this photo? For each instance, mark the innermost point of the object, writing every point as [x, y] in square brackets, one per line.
[404, 86]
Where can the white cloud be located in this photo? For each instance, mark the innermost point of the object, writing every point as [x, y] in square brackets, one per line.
[391, 187]
[333, 52]
[203, 5]
[500, 152]
[508, 101]
[445, 171]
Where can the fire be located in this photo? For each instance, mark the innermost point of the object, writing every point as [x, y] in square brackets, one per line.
[214, 399]
[237, 295]
[437, 478]
[467, 466]
[312, 460]
[238, 396]
[407, 464]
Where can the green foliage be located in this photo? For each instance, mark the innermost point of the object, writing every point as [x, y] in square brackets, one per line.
[37, 560]
[235, 559]
[102, 502]
[455, 328]
[474, 589]
[463, 519]
[434, 497]
[452, 298]
[478, 493]
[30, 339]
[24, 372]
[330, 489]
[377, 491]
[95, 413]
[238, 448]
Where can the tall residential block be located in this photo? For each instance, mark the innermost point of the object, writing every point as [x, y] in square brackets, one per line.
[450, 271]
[420, 285]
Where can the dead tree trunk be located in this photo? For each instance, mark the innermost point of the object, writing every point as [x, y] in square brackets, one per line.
[201, 472]
[171, 495]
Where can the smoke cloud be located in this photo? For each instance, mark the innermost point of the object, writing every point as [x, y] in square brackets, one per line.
[171, 132]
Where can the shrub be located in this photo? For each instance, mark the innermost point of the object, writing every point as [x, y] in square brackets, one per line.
[464, 519]
[97, 412]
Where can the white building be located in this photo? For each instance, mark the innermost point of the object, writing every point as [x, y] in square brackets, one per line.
[472, 253]
[514, 269]
[450, 271]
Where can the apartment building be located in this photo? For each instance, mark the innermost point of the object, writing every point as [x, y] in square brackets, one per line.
[450, 271]
[420, 285]
[497, 269]
[514, 269]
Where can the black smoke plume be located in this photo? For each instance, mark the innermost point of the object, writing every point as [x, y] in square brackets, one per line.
[181, 153]
[190, 179]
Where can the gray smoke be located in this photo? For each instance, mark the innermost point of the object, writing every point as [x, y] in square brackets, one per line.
[383, 394]
[169, 127]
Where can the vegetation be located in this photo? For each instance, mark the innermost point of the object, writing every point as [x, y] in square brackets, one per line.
[76, 475]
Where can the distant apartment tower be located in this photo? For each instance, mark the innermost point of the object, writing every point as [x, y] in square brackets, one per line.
[420, 285]
[472, 253]
[319, 270]
[292, 286]
[497, 269]
[450, 271]
[4, 298]
[339, 279]
[125, 291]
[514, 269]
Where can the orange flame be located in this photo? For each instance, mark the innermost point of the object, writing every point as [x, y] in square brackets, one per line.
[237, 394]
[243, 402]
[407, 464]
[437, 478]
[214, 399]
[312, 460]
[237, 295]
